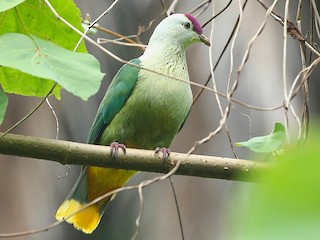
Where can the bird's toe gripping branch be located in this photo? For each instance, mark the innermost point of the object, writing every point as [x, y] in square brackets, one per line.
[165, 152]
[115, 149]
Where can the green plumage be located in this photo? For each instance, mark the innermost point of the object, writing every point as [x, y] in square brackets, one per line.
[118, 92]
[152, 114]
[141, 109]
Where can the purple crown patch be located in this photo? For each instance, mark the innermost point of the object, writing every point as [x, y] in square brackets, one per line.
[196, 25]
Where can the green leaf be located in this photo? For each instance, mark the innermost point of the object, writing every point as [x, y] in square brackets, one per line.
[285, 204]
[33, 17]
[15, 81]
[269, 143]
[3, 105]
[7, 4]
[79, 73]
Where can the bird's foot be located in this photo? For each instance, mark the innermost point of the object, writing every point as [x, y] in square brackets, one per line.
[165, 152]
[115, 149]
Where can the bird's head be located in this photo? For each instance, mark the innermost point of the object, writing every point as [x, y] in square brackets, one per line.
[181, 28]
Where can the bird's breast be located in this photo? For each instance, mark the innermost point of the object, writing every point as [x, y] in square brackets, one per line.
[154, 112]
[157, 107]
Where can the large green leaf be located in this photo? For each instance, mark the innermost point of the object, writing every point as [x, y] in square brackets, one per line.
[15, 81]
[269, 143]
[285, 204]
[33, 17]
[7, 4]
[3, 105]
[78, 73]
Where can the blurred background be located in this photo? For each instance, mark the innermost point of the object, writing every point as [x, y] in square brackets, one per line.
[31, 190]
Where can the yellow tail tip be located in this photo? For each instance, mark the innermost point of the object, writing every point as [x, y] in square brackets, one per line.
[87, 220]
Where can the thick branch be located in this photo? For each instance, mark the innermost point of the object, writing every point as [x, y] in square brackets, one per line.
[135, 159]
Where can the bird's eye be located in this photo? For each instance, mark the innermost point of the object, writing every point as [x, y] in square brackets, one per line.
[187, 25]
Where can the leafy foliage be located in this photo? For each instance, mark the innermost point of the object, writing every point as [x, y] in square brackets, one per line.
[285, 205]
[7, 4]
[268, 143]
[76, 72]
[34, 18]
[3, 105]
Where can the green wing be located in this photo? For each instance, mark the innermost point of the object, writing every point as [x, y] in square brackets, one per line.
[116, 96]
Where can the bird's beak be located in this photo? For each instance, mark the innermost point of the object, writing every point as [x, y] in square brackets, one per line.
[204, 39]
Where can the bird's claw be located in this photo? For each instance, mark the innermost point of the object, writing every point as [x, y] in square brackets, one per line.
[165, 152]
[114, 146]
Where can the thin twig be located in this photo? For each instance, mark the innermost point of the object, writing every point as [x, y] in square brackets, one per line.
[292, 29]
[284, 70]
[118, 42]
[177, 207]
[254, 38]
[221, 54]
[30, 113]
[118, 35]
[305, 88]
[203, 6]
[200, 5]
[230, 73]
[135, 235]
[307, 71]
[172, 7]
[164, 7]
[316, 15]
[225, 8]
[92, 24]
[55, 117]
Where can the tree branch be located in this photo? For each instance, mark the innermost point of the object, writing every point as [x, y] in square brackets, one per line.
[135, 159]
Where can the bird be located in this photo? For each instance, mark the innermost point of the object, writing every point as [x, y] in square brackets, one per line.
[141, 109]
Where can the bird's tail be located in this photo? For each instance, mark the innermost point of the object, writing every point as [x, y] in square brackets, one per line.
[92, 183]
[87, 219]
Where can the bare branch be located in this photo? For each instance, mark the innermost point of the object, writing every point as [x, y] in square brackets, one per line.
[135, 159]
